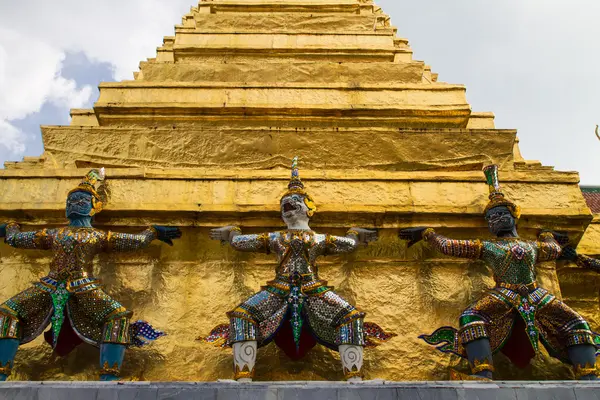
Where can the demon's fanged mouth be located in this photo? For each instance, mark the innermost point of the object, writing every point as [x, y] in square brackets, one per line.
[287, 207]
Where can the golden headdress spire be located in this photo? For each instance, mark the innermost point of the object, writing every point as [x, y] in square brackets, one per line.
[88, 185]
[496, 196]
[295, 186]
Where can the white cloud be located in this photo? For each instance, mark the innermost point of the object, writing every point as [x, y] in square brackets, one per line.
[30, 77]
[35, 36]
[534, 63]
[119, 32]
[11, 138]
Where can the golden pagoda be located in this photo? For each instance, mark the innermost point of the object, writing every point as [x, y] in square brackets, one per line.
[203, 136]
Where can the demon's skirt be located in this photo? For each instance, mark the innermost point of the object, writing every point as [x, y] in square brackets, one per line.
[78, 310]
[515, 322]
[297, 313]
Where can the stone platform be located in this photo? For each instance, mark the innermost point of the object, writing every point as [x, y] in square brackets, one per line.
[381, 390]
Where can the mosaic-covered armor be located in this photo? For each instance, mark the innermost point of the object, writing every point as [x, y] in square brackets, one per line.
[332, 319]
[296, 309]
[515, 315]
[69, 298]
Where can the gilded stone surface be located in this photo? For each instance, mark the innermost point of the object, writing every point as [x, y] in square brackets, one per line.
[202, 137]
[257, 148]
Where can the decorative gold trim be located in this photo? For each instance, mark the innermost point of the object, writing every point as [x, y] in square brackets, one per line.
[546, 235]
[245, 373]
[481, 365]
[10, 326]
[154, 230]
[72, 288]
[584, 370]
[240, 313]
[5, 310]
[460, 376]
[330, 240]
[107, 370]
[115, 313]
[217, 343]
[109, 241]
[6, 369]
[479, 245]
[279, 285]
[264, 238]
[354, 373]
[307, 287]
[516, 287]
[427, 232]
[39, 237]
[498, 200]
[350, 317]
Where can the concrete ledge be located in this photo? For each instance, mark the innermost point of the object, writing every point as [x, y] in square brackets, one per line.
[225, 390]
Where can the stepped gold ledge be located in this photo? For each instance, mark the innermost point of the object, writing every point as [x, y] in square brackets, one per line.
[267, 148]
[332, 215]
[449, 190]
[382, 203]
[481, 120]
[224, 55]
[287, 22]
[187, 40]
[290, 53]
[133, 86]
[244, 196]
[348, 7]
[83, 117]
[377, 108]
[295, 98]
[265, 45]
[291, 32]
[509, 176]
[187, 114]
[285, 118]
[284, 3]
[309, 73]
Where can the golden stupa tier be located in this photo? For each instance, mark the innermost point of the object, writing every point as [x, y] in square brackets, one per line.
[295, 64]
[209, 197]
[203, 136]
[205, 146]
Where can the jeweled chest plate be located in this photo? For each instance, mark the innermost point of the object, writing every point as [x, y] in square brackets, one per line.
[297, 253]
[74, 249]
[512, 261]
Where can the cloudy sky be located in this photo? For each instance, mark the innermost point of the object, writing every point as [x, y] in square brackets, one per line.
[534, 63]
